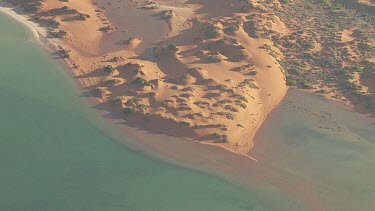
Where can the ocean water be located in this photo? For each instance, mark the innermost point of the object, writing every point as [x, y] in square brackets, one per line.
[56, 153]
[54, 156]
[324, 150]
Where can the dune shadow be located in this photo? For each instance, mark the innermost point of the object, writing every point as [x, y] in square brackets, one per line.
[73, 18]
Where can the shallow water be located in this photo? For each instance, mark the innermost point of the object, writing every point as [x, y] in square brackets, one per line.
[328, 148]
[54, 155]
[57, 154]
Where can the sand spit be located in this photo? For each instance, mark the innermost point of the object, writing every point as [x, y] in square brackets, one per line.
[206, 79]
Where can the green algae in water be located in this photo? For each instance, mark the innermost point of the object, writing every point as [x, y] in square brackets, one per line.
[53, 158]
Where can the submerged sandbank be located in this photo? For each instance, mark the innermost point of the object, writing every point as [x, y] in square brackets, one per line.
[325, 146]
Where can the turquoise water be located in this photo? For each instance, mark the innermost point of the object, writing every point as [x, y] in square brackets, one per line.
[54, 157]
[57, 154]
[324, 148]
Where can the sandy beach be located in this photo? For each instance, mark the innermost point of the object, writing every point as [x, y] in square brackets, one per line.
[182, 83]
[181, 93]
[38, 32]
[209, 158]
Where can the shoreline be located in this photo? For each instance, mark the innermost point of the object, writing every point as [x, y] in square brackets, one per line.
[245, 139]
[211, 159]
[137, 132]
[39, 34]
[37, 31]
[214, 160]
[345, 105]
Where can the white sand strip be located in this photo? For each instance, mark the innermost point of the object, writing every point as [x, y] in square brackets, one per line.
[38, 32]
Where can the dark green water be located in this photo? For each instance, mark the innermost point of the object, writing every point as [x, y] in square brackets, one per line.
[54, 157]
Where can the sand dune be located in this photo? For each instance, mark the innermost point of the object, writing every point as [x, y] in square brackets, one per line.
[203, 77]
